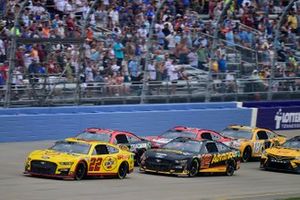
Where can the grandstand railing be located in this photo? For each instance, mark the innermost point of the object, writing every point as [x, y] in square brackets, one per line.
[56, 90]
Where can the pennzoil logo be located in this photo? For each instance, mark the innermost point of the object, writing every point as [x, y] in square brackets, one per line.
[222, 157]
[109, 163]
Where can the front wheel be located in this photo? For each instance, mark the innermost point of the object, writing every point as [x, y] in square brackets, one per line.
[194, 168]
[122, 172]
[80, 171]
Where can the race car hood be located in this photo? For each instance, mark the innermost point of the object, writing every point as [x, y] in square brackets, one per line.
[158, 140]
[284, 152]
[53, 156]
[168, 154]
[235, 143]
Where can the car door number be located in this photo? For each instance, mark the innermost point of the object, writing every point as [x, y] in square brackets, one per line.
[95, 164]
[257, 147]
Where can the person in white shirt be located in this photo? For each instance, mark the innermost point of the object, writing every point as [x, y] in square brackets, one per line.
[172, 74]
[2, 49]
[152, 71]
[60, 5]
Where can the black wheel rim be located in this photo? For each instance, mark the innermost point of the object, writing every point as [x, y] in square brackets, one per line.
[230, 170]
[194, 169]
[138, 161]
[80, 172]
[122, 171]
[246, 155]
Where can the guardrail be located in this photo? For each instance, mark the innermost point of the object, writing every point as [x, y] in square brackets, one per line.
[225, 87]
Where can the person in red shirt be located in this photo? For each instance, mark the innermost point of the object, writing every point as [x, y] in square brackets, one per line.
[4, 70]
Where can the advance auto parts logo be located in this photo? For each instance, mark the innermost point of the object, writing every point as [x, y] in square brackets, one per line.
[287, 120]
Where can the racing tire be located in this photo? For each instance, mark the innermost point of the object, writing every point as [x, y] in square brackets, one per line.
[230, 169]
[139, 154]
[122, 171]
[246, 154]
[80, 171]
[194, 168]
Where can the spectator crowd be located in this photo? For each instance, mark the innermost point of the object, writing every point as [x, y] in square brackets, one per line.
[116, 48]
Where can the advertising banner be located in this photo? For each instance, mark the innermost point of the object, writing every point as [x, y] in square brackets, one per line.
[279, 118]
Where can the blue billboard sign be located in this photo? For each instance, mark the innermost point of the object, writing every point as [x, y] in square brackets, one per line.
[279, 118]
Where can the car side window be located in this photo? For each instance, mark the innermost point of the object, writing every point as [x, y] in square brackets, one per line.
[112, 150]
[121, 139]
[100, 149]
[215, 136]
[211, 147]
[132, 139]
[206, 135]
[222, 148]
[262, 135]
[271, 135]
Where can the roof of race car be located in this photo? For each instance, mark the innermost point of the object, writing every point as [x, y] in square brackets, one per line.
[184, 139]
[242, 127]
[296, 138]
[189, 129]
[107, 131]
[85, 141]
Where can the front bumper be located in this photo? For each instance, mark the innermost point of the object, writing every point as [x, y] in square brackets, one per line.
[170, 172]
[163, 166]
[48, 169]
[279, 165]
[67, 177]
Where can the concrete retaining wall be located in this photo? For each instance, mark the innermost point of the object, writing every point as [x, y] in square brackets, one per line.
[29, 124]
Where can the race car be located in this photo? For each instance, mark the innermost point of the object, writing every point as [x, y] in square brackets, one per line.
[72, 159]
[183, 131]
[186, 156]
[284, 158]
[251, 141]
[135, 144]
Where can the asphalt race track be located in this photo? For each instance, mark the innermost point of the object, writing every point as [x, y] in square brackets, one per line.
[248, 183]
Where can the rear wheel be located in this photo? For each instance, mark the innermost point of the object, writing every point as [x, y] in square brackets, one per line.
[246, 154]
[80, 171]
[230, 169]
[138, 156]
[194, 168]
[122, 172]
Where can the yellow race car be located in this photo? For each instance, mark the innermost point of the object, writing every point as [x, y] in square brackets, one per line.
[285, 157]
[251, 141]
[72, 159]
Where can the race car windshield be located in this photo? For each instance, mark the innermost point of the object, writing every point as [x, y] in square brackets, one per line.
[186, 146]
[71, 147]
[94, 136]
[175, 134]
[292, 144]
[236, 133]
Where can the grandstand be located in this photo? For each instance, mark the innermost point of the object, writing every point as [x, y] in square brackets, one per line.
[74, 52]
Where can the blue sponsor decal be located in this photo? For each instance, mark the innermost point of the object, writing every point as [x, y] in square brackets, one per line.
[279, 118]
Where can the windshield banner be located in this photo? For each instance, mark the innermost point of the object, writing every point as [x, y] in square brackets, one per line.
[279, 118]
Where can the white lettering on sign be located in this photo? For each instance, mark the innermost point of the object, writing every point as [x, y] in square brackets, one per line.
[287, 119]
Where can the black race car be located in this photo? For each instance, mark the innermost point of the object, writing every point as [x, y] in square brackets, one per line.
[185, 156]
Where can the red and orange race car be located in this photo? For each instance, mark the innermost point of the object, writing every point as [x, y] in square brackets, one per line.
[135, 144]
[187, 132]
